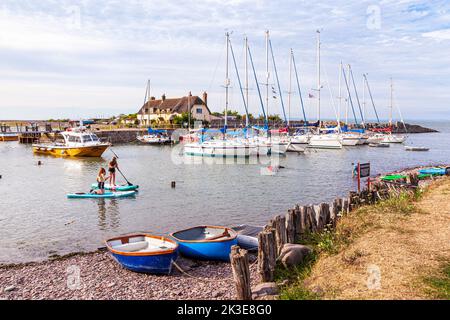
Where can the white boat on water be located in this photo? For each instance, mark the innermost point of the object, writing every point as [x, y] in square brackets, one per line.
[154, 139]
[220, 148]
[392, 138]
[325, 141]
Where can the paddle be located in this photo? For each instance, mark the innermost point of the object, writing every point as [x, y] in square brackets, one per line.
[129, 183]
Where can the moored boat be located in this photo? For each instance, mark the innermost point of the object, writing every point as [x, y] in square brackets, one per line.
[206, 242]
[410, 148]
[434, 171]
[77, 142]
[7, 136]
[379, 145]
[144, 253]
[325, 141]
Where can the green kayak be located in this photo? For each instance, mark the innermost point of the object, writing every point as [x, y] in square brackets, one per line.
[124, 187]
[393, 177]
[106, 195]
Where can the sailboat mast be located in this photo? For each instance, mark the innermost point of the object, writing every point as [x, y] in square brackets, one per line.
[227, 82]
[267, 75]
[318, 76]
[364, 96]
[340, 95]
[290, 87]
[246, 78]
[189, 112]
[149, 103]
[392, 104]
[348, 96]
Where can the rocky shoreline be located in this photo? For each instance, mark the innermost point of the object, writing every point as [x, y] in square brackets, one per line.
[96, 276]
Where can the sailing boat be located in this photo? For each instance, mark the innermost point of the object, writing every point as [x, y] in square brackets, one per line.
[155, 137]
[319, 140]
[221, 147]
[301, 137]
[391, 138]
[268, 144]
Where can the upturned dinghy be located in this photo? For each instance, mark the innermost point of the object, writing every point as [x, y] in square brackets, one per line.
[106, 195]
[144, 253]
[124, 187]
[206, 242]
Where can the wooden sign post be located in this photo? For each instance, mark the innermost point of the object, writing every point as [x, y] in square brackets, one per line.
[363, 171]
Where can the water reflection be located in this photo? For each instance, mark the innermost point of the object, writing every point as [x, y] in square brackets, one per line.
[108, 214]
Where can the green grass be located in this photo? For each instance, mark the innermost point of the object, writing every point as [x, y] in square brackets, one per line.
[331, 241]
[440, 284]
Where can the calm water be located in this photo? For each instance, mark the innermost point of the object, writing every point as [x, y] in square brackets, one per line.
[36, 219]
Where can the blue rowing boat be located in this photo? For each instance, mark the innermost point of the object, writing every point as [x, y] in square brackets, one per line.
[206, 242]
[144, 253]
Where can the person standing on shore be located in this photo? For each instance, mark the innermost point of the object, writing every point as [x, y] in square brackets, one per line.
[112, 166]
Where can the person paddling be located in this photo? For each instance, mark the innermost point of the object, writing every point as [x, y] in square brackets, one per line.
[101, 178]
[112, 166]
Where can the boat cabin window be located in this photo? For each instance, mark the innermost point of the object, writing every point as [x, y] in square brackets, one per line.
[94, 137]
[74, 139]
[87, 138]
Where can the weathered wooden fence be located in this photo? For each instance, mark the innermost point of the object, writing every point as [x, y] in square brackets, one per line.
[302, 220]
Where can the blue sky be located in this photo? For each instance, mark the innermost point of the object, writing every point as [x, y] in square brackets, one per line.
[93, 58]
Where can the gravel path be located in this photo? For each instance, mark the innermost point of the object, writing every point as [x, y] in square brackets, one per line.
[100, 277]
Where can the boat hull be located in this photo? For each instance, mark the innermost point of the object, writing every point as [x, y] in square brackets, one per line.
[207, 250]
[218, 151]
[9, 137]
[325, 142]
[153, 262]
[206, 242]
[88, 151]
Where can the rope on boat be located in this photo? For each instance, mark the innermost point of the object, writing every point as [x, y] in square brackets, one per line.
[207, 280]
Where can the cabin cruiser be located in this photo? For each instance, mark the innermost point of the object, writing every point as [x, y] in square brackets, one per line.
[155, 137]
[76, 142]
[7, 135]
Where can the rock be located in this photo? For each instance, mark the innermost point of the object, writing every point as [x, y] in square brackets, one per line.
[264, 289]
[293, 254]
[9, 289]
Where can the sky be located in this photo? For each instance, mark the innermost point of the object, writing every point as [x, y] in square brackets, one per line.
[82, 59]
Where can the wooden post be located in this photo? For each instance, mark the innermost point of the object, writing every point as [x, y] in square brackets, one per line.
[325, 215]
[279, 225]
[290, 226]
[299, 220]
[241, 273]
[267, 254]
[311, 221]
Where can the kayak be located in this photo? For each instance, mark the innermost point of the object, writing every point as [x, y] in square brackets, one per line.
[124, 187]
[393, 177]
[433, 171]
[106, 195]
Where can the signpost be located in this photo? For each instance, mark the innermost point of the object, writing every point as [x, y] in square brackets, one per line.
[363, 171]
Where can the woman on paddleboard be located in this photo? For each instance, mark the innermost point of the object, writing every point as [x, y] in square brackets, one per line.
[113, 165]
[101, 178]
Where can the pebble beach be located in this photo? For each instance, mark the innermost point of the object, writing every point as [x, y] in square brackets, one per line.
[96, 276]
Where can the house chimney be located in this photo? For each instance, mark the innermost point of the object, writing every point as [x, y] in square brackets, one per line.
[205, 98]
[163, 97]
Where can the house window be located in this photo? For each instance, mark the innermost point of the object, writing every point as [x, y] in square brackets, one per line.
[199, 111]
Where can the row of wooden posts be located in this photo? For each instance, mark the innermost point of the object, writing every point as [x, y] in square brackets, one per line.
[298, 222]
